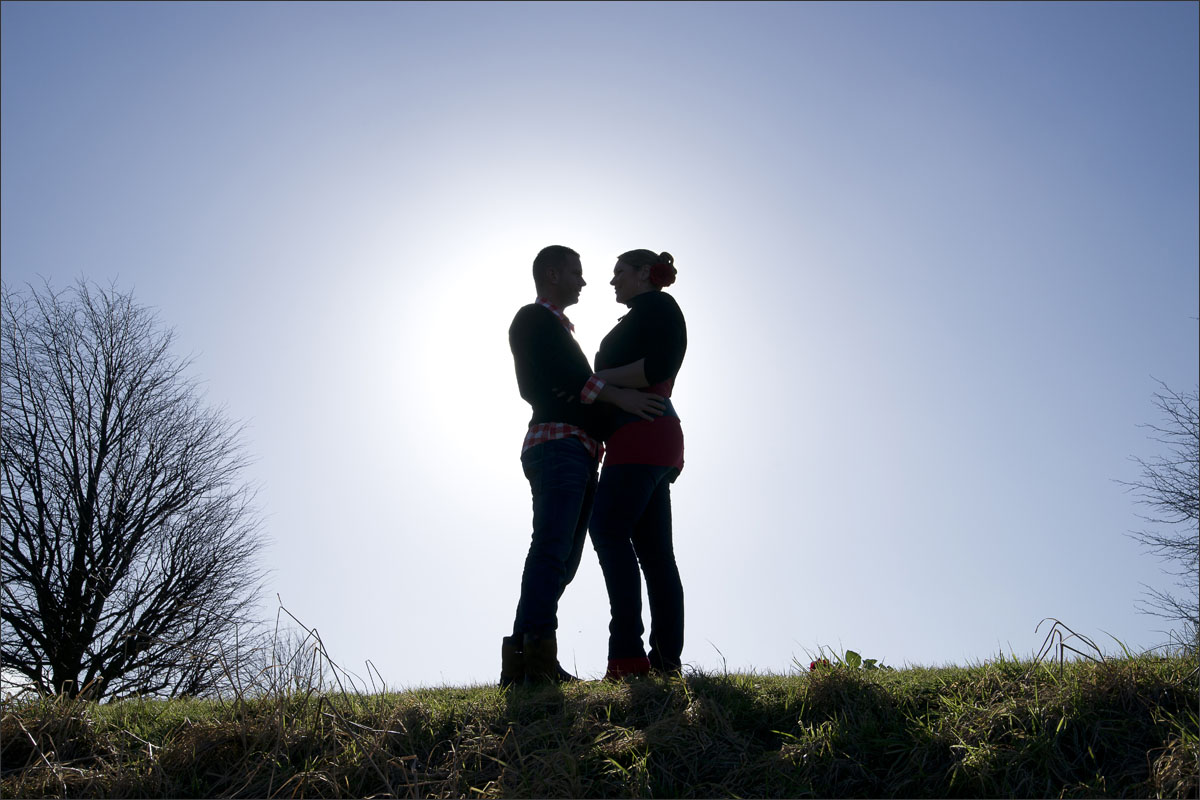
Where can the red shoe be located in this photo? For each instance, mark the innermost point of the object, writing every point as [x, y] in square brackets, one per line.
[619, 668]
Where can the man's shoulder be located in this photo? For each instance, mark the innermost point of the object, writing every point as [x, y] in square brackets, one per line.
[532, 314]
[533, 318]
[532, 309]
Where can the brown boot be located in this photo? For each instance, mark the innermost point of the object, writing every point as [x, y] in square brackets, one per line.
[512, 662]
[541, 661]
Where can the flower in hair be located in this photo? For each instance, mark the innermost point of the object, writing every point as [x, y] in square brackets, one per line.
[662, 274]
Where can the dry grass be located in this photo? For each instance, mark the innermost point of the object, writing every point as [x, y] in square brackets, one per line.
[1125, 727]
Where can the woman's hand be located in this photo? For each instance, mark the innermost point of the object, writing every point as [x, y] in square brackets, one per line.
[641, 404]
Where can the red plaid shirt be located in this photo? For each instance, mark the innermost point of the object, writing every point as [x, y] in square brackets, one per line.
[549, 431]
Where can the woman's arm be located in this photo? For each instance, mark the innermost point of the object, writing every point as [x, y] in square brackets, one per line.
[631, 375]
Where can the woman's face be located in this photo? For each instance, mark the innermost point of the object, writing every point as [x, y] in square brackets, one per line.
[629, 281]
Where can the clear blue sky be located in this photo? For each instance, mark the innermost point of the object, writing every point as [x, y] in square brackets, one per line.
[934, 260]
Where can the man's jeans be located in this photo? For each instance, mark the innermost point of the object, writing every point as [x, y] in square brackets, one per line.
[632, 525]
[562, 476]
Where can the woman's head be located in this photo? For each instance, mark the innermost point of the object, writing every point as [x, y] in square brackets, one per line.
[639, 271]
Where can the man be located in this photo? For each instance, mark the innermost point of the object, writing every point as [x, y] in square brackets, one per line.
[560, 456]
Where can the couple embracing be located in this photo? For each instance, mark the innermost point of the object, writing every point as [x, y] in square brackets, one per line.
[620, 413]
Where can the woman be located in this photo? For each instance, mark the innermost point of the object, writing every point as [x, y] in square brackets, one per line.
[631, 518]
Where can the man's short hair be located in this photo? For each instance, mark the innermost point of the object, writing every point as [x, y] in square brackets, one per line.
[556, 256]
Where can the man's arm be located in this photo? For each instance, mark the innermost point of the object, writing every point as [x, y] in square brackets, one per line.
[641, 404]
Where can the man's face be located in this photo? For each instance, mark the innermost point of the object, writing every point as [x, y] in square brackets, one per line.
[570, 282]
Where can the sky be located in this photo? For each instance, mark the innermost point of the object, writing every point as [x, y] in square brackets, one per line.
[934, 258]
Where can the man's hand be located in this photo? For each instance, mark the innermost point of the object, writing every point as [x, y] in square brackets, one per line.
[642, 404]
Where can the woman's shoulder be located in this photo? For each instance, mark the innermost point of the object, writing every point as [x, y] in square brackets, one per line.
[658, 301]
[666, 311]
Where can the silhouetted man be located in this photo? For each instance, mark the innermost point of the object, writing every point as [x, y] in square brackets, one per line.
[560, 456]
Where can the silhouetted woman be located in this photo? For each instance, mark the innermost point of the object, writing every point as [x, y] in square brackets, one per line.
[631, 519]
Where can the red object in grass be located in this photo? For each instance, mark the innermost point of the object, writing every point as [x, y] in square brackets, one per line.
[619, 668]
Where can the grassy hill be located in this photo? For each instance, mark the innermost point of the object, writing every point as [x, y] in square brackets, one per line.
[1125, 727]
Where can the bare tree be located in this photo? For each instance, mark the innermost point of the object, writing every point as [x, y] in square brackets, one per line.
[1170, 487]
[129, 544]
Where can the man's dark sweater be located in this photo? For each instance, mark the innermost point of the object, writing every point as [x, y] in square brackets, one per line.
[551, 368]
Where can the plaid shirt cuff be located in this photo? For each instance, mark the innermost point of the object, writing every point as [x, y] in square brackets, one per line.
[591, 390]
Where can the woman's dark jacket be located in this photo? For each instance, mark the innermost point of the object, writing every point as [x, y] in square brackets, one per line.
[654, 329]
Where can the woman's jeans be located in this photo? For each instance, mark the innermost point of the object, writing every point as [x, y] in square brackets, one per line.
[562, 476]
[631, 524]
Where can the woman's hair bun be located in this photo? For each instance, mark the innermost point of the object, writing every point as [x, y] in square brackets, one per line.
[663, 272]
[662, 265]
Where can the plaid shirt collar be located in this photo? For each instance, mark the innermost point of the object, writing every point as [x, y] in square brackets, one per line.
[544, 303]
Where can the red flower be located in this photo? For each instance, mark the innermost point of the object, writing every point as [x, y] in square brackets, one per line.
[818, 663]
[662, 274]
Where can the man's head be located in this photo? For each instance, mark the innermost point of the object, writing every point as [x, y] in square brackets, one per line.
[558, 275]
